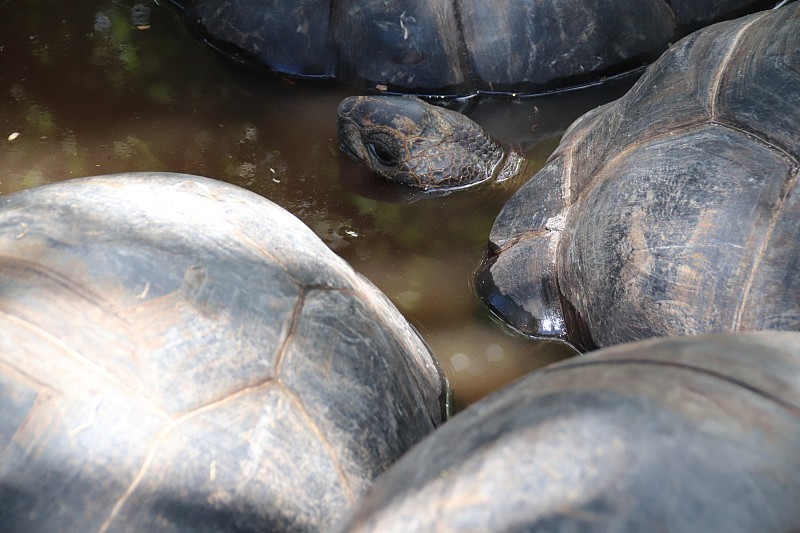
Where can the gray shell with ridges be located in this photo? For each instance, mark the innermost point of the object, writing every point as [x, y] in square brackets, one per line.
[672, 210]
[680, 434]
[179, 354]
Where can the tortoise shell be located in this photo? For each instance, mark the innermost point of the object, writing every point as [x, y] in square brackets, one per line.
[672, 210]
[682, 434]
[179, 354]
[453, 47]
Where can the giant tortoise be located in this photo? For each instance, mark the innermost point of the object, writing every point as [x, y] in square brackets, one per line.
[672, 210]
[453, 46]
[178, 354]
[682, 434]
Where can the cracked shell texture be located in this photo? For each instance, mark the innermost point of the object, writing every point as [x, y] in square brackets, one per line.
[680, 200]
[178, 354]
[656, 435]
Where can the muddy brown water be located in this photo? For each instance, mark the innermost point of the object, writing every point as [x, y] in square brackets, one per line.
[85, 92]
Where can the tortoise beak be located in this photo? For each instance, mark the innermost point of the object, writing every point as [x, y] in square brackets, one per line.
[348, 132]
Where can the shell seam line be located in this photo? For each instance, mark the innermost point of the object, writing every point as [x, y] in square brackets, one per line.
[358, 290]
[758, 137]
[762, 250]
[528, 235]
[18, 373]
[324, 441]
[688, 127]
[298, 307]
[84, 361]
[17, 263]
[716, 79]
[154, 447]
[410, 349]
[163, 434]
[566, 185]
[8, 369]
[792, 408]
[270, 257]
[464, 55]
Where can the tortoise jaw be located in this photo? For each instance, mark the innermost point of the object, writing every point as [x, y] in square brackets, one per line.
[348, 151]
[349, 138]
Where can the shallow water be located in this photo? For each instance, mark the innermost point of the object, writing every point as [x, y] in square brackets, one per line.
[84, 92]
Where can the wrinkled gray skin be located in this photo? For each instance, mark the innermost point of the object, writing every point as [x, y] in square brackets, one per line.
[410, 142]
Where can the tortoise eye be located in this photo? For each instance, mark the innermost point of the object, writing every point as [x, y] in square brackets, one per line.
[382, 153]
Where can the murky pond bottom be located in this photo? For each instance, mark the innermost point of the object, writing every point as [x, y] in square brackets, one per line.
[84, 92]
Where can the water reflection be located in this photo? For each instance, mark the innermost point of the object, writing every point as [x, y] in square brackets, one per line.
[103, 92]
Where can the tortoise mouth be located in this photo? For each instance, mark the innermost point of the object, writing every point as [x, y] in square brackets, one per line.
[346, 150]
[349, 139]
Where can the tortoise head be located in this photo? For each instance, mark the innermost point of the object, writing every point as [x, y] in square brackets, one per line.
[408, 141]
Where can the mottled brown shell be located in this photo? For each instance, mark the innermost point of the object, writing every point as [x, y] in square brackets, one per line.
[673, 210]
